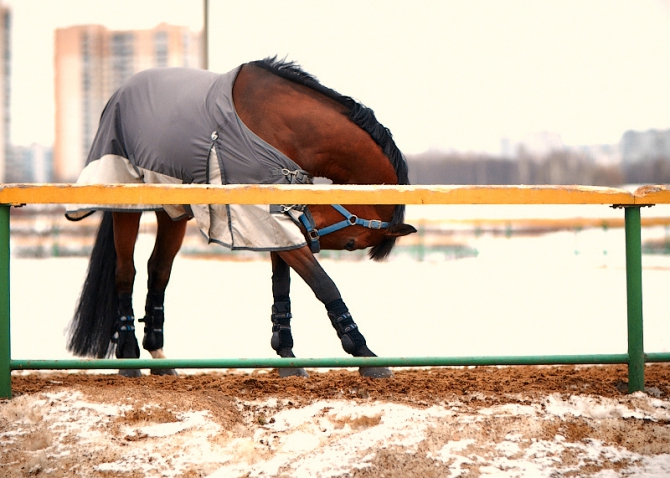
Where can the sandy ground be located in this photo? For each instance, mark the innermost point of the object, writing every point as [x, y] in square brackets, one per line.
[470, 422]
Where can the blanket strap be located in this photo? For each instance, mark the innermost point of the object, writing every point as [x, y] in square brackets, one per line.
[297, 176]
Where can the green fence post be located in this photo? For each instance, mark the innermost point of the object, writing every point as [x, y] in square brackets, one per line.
[5, 341]
[634, 296]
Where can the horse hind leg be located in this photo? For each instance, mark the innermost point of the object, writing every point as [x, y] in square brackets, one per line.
[153, 320]
[169, 237]
[124, 338]
[126, 226]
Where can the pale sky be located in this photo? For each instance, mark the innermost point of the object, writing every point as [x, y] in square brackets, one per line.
[438, 74]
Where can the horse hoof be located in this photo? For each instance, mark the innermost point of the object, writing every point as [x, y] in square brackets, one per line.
[292, 372]
[375, 372]
[130, 372]
[164, 371]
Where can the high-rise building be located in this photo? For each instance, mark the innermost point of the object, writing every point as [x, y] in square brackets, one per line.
[5, 60]
[29, 164]
[91, 62]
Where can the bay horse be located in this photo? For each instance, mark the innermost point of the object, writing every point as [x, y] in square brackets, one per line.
[170, 125]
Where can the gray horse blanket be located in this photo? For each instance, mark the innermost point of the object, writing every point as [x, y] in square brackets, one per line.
[179, 126]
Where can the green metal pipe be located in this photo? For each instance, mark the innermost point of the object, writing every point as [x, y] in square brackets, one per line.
[317, 362]
[657, 357]
[634, 297]
[5, 340]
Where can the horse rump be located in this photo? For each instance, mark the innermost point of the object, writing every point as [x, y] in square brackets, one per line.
[94, 322]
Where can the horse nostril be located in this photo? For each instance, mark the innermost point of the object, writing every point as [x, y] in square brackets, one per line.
[351, 245]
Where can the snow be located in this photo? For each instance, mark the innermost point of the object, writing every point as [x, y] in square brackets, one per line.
[331, 438]
[188, 420]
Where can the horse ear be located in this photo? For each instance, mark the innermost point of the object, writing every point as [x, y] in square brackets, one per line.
[398, 230]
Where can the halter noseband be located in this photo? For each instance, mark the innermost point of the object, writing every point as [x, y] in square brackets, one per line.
[300, 176]
[349, 220]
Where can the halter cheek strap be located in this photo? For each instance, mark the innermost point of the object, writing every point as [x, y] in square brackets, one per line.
[300, 176]
[349, 220]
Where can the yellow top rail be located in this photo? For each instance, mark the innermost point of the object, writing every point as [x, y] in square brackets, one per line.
[15, 194]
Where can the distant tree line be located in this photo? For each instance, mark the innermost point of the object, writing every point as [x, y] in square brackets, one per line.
[558, 167]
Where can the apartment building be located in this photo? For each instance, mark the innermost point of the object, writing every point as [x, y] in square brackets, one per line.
[91, 62]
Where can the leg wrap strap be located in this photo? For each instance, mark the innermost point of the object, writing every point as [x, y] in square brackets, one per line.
[281, 326]
[124, 338]
[347, 330]
[153, 329]
[153, 322]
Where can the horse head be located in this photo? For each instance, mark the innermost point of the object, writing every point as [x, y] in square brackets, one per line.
[354, 227]
[331, 136]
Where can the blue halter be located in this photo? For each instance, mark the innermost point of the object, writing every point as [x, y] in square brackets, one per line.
[349, 220]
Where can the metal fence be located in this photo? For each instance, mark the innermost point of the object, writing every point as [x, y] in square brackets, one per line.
[630, 202]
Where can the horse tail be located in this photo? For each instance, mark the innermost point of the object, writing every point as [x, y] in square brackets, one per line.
[96, 315]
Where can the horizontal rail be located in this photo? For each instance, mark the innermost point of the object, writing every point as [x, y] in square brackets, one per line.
[118, 194]
[657, 357]
[540, 223]
[336, 362]
[649, 195]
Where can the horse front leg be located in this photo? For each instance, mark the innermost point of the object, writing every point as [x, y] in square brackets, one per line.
[126, 226]
[169, 238]
[282, 339]
[305, 264]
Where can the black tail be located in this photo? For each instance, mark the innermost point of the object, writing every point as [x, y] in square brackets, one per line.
[94, 322]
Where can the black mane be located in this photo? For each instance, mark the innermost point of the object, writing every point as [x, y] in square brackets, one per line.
[361, 116]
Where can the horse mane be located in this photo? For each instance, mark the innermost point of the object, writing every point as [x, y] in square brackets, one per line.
[361, 116]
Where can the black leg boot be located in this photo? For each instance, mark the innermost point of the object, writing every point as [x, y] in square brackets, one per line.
[352, 340]
[126, 342]
[153, 328]
[282, 339]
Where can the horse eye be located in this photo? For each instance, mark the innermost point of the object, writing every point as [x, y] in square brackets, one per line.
[351, 245]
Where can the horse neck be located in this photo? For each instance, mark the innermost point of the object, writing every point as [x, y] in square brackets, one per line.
[310, 128]
[349, 156]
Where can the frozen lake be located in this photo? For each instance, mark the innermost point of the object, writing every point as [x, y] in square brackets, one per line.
[559, 293]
